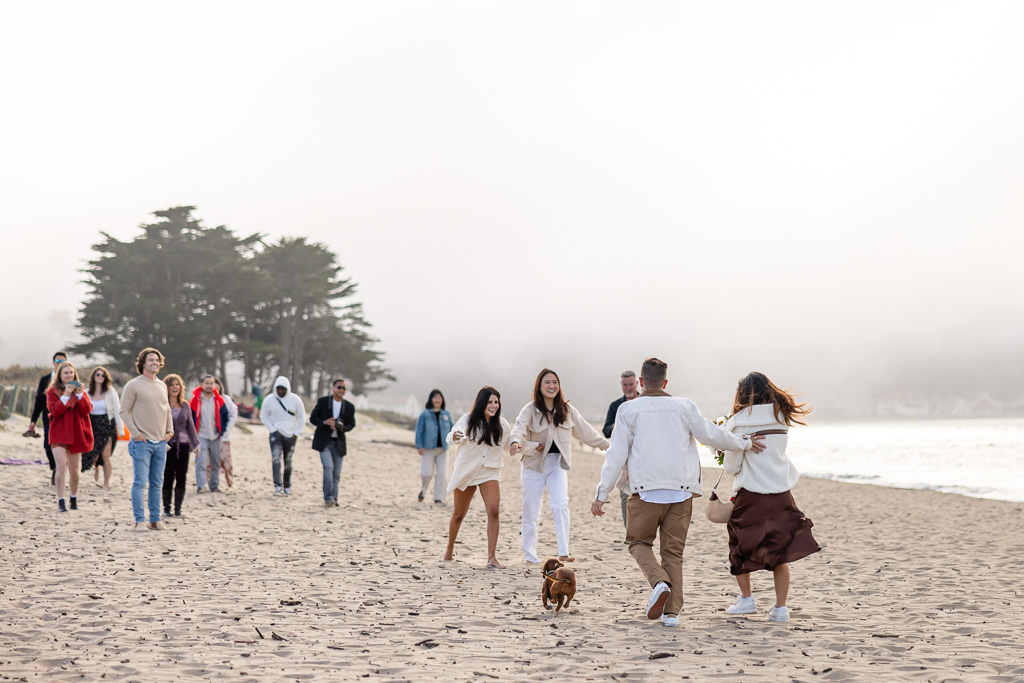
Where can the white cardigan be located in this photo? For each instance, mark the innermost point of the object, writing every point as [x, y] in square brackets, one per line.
[114, 411]
[533, 425]
[472, 451]
[769, 471]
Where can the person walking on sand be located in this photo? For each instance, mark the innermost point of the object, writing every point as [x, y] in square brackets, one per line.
[654, 442]
[543, 432]
[480, 436]
[766, 530]
[332, 416]
[70, 428]
[39, 411]
[146, 413]
[106, 424]
[284, 415]
[226, 464]
[211, 420]
[432, 426]
[183, 439]
[627, 380]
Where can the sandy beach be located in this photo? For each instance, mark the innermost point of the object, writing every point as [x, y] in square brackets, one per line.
[910, 585]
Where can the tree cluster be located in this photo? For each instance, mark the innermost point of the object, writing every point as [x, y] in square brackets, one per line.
[205, 296]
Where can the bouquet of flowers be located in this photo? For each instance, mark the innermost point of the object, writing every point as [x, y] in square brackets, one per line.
[719, 455]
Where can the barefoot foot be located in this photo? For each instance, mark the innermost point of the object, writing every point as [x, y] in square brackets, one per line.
[494, 564]
[566, 558]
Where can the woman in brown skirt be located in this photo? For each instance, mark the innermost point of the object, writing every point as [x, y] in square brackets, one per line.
[767, 530]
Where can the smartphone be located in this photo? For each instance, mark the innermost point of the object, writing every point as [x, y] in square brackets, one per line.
[75, 383]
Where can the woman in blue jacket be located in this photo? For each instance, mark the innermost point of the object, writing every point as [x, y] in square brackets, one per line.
[431, 429]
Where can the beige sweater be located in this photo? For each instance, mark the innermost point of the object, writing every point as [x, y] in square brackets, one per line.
[532, 425]
[145, 410]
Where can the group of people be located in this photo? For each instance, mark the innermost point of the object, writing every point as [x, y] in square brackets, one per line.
[650, 438]
[652, 458]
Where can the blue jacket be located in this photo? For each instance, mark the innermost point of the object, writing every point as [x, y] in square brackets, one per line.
[426, 429]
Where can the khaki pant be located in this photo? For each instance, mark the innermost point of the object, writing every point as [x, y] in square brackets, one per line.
[672, 522]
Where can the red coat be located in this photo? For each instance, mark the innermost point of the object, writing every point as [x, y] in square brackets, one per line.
[69, 423]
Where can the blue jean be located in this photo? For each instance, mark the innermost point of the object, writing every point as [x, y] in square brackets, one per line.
[148, 461]
[330, 458]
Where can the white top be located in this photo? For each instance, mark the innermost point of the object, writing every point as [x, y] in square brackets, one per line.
[275, 411]
[336, 413]
[769, 471]
[99, 406]
[232, 417]
[665, 496]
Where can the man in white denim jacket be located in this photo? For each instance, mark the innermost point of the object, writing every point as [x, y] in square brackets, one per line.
[655, 440]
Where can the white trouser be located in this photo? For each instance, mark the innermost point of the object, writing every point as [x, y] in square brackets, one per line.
[556, 481]
[434, 465]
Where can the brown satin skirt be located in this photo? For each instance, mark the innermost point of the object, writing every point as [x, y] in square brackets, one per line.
[767, 530]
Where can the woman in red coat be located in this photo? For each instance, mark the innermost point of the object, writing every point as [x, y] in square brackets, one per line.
[70, 428]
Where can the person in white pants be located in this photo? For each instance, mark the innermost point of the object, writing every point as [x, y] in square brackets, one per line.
[543, 434]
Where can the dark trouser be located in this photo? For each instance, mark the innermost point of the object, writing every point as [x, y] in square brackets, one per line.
[623, 497]
[175, 472]
[46, 441]
[282, 448]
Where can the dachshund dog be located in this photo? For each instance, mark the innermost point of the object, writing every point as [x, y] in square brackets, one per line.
[559, 584]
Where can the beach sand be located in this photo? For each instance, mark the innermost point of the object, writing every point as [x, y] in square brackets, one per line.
[910, 585]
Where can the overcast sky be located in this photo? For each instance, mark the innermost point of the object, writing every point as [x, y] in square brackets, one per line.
[823, 191]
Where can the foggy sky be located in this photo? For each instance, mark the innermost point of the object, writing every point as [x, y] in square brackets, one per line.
[827, 193]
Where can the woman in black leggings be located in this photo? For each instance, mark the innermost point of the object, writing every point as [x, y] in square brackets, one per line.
[178, 448]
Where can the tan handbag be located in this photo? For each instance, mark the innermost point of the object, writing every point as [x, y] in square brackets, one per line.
[718, 511]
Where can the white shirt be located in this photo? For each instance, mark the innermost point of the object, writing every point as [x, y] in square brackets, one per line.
[336, 411]
[665, 496]
[99, 407]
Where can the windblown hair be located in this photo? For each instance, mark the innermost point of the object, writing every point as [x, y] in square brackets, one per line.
[757, 389]
[140, 362]
[560, 411]
[430, 399]
[481, 429]
[170, 379]
[105, 387]
[57, 383]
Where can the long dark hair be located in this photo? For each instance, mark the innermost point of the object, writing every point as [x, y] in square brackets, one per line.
[107, 380]
[430, 399]
[561, 408]
[757, 389]
[481, 429]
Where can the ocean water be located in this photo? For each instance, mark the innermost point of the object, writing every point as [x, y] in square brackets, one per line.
[983, 458]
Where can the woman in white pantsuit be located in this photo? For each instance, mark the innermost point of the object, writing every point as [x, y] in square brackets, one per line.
[543, 434]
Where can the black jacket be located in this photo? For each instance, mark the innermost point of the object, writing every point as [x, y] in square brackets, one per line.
[40, 406]
[323, 411]
[609, 420]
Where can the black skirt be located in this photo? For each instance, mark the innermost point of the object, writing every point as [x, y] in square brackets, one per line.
[102, 432]
[767, 530]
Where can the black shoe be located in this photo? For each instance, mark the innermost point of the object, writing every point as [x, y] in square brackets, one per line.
[420, 497]
[177, 512]
[74, 503]
[61, 506]
[167, 511]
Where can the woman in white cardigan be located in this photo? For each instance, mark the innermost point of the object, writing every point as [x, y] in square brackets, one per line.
[106, 424]
[543, 433]
[767, 530]
[480, 437]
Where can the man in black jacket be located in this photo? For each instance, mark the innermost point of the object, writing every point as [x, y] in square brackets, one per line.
[40, 409]
[332, 416]
[628, 383]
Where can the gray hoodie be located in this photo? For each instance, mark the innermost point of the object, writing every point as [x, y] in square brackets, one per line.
[284, 414]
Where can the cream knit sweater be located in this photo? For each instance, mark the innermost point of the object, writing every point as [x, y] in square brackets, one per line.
[769, 471]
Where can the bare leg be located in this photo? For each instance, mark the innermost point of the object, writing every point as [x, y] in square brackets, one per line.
[462, 499]
[781, 576]
[75, 467]
[60, 456]
[490, 491]
[225, 463]
[744, 581]
[107, 465]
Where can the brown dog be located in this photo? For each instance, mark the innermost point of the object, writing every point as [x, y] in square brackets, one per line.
[559, 584]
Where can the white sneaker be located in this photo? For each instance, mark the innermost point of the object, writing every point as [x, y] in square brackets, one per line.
[277, 490]
[778, 613]
[659, 596]
[287, 492]
[742, 605]
[669, 621]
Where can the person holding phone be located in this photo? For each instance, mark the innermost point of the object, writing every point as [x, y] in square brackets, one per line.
[70, 429]
[543, 434]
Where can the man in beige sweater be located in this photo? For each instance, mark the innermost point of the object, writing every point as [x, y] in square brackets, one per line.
[147, 415]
